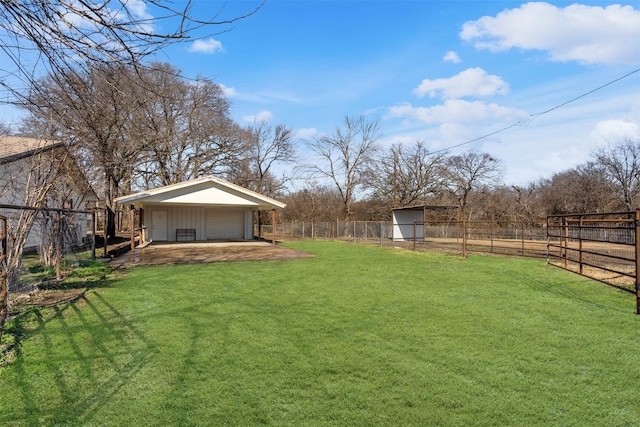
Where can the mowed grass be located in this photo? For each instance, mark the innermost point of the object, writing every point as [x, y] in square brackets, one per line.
[358, 335]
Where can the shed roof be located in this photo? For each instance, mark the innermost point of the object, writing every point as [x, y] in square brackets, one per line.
[425, 207]
[205, 191]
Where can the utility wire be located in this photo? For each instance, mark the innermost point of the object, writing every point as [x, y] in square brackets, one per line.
[534, 116]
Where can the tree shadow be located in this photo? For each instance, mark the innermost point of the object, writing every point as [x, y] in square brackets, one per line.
[80, 355]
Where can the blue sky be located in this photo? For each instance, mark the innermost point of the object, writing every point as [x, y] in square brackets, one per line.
[442, 72]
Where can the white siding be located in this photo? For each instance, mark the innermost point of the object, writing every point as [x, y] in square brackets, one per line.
[403, 220]
[208, 223]
[225, 224]
[13, 182]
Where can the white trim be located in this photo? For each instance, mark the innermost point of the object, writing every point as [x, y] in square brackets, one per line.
[252, 198]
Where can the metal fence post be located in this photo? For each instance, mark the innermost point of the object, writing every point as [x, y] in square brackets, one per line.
[580, 245]
[3, 274]
[58, 232]
[414, 236]
[464, 237]
[93, 235]
[637, 238]
[566, 242]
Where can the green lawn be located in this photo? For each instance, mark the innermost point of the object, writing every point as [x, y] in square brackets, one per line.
[358, 335]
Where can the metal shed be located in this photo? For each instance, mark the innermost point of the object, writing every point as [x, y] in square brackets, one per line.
[409, 218]
[207, 208]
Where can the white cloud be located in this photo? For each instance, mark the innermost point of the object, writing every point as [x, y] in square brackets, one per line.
[262, 116]
[470, 82]
[451, 56]
[306, 133]
[590, 34]
[138, 8]
[229, 92]
[614, 131]
[458, 111]
[206, 46]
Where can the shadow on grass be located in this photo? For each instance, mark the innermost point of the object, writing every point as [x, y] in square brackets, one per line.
[80, 355]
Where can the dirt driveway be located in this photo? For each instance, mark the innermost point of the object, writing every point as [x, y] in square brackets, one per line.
[205, 252]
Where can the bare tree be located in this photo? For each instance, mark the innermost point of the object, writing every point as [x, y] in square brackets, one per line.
[582, 189]
[312, 204]
[469, 172]
[54, 36]
[407, 174]
[184, 128]
[93, 113]
[345, 155]
[267, 146]
[621, 166]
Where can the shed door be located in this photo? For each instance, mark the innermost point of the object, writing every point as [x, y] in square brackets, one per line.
[159, 225]
[223, 224]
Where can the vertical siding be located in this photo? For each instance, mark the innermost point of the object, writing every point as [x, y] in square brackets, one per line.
[187, 217]
[248, 224]
[403, 224]
[196, 218]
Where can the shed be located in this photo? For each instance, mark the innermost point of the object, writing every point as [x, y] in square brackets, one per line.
[409, 218]
[207, 208]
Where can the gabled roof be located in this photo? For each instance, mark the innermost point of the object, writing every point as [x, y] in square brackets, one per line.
[14, 148]
[206, 191]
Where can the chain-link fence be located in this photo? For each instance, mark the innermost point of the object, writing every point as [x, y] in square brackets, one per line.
[367, 231]
[44, 243]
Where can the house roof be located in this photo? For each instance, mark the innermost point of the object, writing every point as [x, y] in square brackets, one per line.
[13, 148]
[205, 191]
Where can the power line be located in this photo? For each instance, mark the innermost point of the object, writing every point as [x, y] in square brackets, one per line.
[534, 116]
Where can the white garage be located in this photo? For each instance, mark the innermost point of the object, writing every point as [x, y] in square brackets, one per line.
[206, 208]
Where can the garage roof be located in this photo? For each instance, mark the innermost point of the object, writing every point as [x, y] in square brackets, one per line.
[205, 191]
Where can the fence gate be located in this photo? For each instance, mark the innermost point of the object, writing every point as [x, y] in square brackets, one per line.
[602, 246]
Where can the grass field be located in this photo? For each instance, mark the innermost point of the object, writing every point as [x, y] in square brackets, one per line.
[357, 336]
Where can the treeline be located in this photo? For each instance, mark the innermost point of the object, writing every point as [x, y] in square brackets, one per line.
[133, 128]
[411, 175]
[608, 181]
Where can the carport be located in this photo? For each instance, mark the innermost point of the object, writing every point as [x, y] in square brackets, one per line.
[202, 209]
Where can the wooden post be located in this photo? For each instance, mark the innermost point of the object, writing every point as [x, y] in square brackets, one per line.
[414, 236]
[132, 233]
[273, 226]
